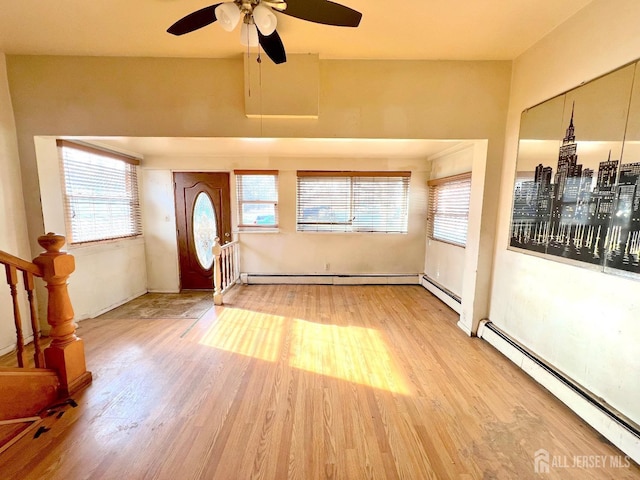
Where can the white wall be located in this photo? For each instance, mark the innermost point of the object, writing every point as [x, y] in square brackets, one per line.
[107, 274]
[444, 262]
[585, 323]
[13, 227]
[287, 251]
[159, 224]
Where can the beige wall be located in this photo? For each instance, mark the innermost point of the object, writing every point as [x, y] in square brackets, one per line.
[197, 97]
[84, 96]
[584, 322]
[287, 251]
[13, 228]
[159, 225]
[444, 262]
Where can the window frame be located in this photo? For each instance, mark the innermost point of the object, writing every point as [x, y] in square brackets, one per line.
[439, 185]
[240, 201]
[353, 190]
[70, 199]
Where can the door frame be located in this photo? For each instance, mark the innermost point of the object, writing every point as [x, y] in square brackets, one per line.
[187, 186]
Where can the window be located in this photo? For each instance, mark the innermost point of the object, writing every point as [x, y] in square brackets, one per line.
[100, 191]
[257, 198]
[353, 201]
[449, 209]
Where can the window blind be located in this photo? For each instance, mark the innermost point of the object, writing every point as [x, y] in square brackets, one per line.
[100, 191]
[352, 201]
[449, 209]
[257, 192]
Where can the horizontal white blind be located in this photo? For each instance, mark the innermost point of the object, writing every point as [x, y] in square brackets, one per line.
[449, 210]
[257, 193]
[353, 201]
[100, 194]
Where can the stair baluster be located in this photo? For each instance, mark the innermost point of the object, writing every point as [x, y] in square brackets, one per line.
[38, 356]
[12, 280]
[225, 268]
[217, 272]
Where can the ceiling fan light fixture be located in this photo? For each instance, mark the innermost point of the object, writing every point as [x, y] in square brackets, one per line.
[259, 22]
[249, 35]
[264, 19]
[228, 15]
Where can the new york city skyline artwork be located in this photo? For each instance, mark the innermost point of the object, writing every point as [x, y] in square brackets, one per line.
[576, 196]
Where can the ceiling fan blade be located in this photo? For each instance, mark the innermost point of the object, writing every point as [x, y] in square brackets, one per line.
[198, 19]
[279, 5]
[323, 11]
[273, 47]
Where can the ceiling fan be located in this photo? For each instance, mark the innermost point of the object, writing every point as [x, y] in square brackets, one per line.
[259, 21]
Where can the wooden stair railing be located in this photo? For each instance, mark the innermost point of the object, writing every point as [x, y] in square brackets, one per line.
[65, 353]
[12, 266]
[226, 268]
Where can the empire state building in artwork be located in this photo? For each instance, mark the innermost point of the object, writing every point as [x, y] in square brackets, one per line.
[576, 213]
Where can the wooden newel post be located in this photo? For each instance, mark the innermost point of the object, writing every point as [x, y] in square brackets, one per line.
[217, 272]
[66, 352]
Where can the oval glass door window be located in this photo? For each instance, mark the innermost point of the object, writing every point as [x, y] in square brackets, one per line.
[204, 229]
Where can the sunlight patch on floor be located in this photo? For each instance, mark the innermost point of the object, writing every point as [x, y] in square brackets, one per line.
[350, 353]
[248, 333]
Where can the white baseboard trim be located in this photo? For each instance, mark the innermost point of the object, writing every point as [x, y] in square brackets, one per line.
[10, 348]
[619, 430]
[330, 279]
[7, 349]
[442, 293]
[465, 328]
[109, 308]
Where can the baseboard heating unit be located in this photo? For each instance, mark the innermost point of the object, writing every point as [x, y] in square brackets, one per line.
[449, 298]
[613, 425]
[331, 279]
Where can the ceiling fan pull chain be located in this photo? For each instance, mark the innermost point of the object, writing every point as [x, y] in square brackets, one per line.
[260, 89]
[248, 67]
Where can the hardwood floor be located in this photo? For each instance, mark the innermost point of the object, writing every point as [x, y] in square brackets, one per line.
[306, 382]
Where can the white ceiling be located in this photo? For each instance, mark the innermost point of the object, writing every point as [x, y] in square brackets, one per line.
[424, 29]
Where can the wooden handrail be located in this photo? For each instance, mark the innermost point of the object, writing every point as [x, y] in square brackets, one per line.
[23, 265]
[66, 352]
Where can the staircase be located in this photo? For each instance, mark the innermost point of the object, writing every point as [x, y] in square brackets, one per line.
[60, 369]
